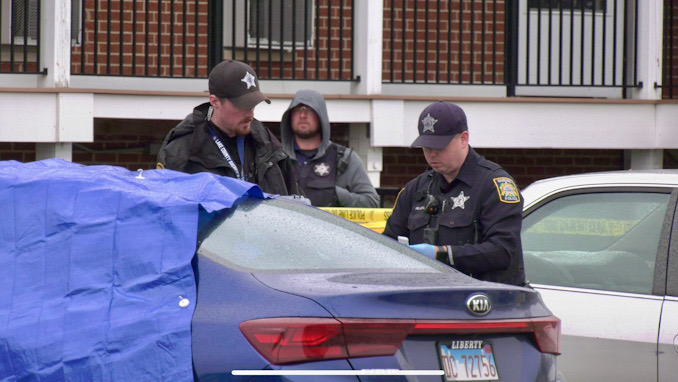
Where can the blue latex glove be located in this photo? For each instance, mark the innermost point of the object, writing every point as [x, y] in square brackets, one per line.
[425, 249]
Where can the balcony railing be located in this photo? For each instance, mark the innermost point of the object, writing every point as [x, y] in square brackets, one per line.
[290, 39]
[669, 83]
[445, 42]
[456, 42]
[144, 38]
[166, 38]
[490, 42]
[20, 36]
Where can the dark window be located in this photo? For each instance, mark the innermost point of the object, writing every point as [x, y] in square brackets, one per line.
[576, 5]
[25, 20]
[605, 241]
[286, 22]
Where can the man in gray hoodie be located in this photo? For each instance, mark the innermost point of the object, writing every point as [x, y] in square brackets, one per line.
[329, 174]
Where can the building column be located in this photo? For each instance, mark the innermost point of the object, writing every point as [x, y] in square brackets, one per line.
[368, 26]
[55, 53]
[645, 159]
[649, 69]
[359, 140]
[650, 46]
[61, 150]
[55, 43]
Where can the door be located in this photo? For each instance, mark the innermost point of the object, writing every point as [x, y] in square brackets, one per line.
[667, 349]
[592, 253]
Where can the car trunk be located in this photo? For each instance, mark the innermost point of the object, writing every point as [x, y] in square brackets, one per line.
[420, 321]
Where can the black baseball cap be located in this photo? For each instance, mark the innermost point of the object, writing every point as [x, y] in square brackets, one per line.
[438, 124]
[237, 82]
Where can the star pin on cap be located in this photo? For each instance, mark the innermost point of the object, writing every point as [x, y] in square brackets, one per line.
[237, 82]
[438, 124]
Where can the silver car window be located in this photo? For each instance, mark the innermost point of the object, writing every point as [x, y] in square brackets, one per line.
[604, 241]
[282, 236]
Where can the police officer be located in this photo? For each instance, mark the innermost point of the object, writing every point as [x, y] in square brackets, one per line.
[329, 174]
[222, 137]
[464, 211]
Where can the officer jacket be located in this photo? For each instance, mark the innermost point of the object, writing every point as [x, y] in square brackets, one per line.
[190, 148]
[479, 214]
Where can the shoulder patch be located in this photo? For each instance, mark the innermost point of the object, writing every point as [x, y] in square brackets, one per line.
[508, 192]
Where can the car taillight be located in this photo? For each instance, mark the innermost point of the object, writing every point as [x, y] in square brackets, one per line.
[546, 330]
[301, 339]
[547, 333]
[294, 339]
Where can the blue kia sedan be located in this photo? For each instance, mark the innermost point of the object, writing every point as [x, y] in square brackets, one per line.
[157, 275]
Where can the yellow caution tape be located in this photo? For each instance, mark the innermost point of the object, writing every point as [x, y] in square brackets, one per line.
[377, 227]
[361, 215]
[584, 227]
[375, 219]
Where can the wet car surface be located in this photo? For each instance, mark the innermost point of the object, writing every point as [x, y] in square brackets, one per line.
[170, 276]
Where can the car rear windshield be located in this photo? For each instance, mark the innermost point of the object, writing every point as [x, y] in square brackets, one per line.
[279, 235]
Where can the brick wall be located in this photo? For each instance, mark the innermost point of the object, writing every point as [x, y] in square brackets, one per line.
[127, 143]
[121, 142]
[152, 38]
[18, 151]
[327, 57]
[670, 158]
[525, 165]
[160, 38]
[132, 144]
[444, 41]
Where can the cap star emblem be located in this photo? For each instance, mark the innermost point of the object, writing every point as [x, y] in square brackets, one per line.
[249, 80]
[428, 123]
[321, 169]
[460, 200]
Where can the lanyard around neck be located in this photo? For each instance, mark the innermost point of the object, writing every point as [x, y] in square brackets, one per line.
[240, 142]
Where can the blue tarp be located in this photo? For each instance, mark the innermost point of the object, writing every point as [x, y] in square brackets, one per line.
[95, 276]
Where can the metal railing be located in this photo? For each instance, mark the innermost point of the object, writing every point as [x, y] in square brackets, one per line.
[291, 39]
[445, 42]
[460, 42]
[490, 42]
[145, 38]
[20, 37]
[169, 39]
[669, 83]
[585, 44]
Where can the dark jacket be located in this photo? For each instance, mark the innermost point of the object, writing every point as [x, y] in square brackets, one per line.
[479, 216]
[189, 148]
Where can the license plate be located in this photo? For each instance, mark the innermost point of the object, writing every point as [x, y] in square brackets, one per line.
[468, 361]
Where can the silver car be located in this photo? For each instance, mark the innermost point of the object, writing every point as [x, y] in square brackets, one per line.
[602, 249]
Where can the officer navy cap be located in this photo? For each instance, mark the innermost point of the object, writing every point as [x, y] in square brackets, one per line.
[438, 124]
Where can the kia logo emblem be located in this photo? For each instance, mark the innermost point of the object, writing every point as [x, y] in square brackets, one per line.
[479, 304]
